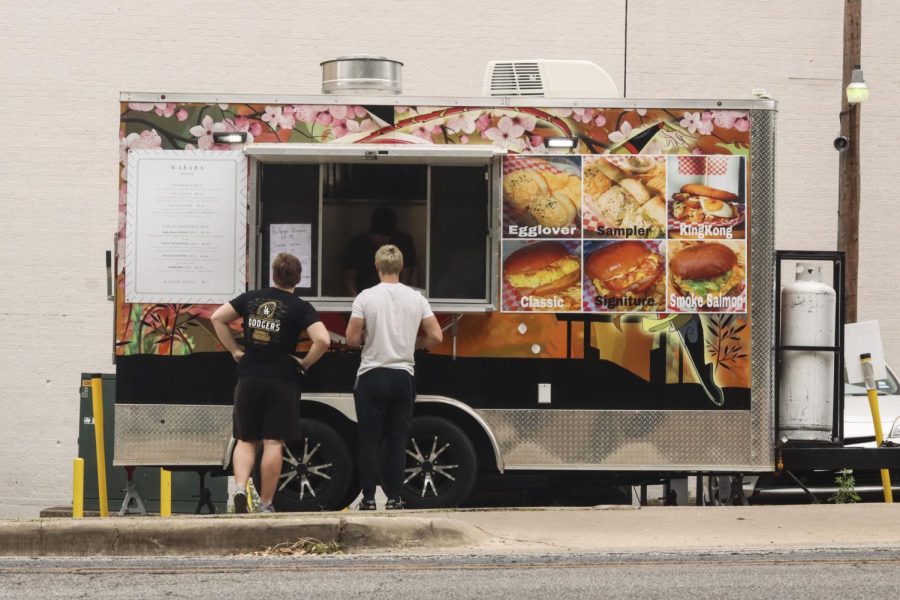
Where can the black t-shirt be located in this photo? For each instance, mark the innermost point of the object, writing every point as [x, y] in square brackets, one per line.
[360, 256]
[273, 322]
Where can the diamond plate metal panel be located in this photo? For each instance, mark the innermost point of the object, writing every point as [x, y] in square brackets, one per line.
[619, 439]
[762, 287]
[171, 435]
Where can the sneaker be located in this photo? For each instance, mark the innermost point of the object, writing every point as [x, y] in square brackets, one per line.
[240, 503]
[394, 504]
[265, 508]
[365, 504]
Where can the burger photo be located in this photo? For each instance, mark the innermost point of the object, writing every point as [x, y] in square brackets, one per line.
[626, 276]
[707, 276]
[544, 276]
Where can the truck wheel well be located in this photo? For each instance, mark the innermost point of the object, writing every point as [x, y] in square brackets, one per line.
[333, 418]
[487, 461]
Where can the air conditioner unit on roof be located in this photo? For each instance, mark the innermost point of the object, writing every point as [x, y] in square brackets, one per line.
[548, 79]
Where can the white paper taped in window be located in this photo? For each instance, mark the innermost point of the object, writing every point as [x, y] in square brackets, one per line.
[295, 238]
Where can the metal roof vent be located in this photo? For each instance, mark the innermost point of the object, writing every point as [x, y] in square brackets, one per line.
[549, 79]
[362, 74]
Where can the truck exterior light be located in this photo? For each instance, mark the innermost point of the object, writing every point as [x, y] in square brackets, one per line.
[229, 137]
[560, 142]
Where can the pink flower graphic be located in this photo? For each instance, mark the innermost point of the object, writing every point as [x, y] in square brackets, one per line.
[147, 139]
[360, 126]
[623, 134]
[691, 121]
[483, 122]
[507, 135]
[425, 131]
[279, 117]
[529, 122]
[583, 115]
[462, 122]
[600, 119]
[163, 109]
[181, 115]
[204, 132]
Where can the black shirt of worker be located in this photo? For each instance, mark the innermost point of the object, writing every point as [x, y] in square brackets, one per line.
[360, 256]
[273, 320]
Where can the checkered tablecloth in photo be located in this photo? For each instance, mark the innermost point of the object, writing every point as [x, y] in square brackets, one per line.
[514, 163]
[703, 165]
[509, 297]
[692, 165]
[589, 292]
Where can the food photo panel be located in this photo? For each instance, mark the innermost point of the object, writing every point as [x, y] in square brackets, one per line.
[707, 276]
[541, 197]
[541, 275]
[707, 197]
[624, 276]
[624, 197]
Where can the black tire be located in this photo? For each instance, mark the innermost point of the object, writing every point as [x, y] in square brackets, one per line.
[324, 488]
[441, 465]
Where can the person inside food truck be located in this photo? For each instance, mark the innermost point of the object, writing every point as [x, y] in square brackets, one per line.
[359, 267]
[266, 407]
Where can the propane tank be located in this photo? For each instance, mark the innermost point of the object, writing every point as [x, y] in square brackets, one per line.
[807, 377]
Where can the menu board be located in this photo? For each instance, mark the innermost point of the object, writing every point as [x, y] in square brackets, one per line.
[296, 239]
[186, 226]
[624, 233]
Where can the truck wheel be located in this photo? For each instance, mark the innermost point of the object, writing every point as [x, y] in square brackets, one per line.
[317, 471]
[441, 466]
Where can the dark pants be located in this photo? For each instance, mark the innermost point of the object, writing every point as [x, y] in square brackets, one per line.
[384, 404]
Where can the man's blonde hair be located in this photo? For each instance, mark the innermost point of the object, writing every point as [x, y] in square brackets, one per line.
[389, 259]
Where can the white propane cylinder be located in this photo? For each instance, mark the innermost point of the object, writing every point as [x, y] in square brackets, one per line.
[807, 377]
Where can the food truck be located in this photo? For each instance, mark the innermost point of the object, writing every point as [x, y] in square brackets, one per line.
[603, 270]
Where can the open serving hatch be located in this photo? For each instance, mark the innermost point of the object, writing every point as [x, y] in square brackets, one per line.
[325, 203]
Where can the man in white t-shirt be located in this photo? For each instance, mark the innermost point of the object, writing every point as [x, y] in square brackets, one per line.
[385, 319]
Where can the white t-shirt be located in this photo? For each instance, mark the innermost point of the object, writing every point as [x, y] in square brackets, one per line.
[392, 314]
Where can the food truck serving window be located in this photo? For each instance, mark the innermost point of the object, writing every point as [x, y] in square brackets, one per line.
[334, 206]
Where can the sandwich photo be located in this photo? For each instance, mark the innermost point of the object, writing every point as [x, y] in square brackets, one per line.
[623, 197]
[542, 191]
[707, 276]
[542, 276]
[624, 276]
[706, 198]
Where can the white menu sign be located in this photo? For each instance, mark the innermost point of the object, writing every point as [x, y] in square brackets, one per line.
[186, 226]
[296, 239]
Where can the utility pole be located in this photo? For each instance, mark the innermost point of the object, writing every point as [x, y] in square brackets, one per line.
[848, 175]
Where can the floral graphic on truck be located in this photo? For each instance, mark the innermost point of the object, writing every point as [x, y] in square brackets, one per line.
[166, 329]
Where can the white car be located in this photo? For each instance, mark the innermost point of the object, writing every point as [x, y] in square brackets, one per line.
[858, 429]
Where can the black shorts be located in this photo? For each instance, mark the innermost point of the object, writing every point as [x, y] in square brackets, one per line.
[266, 408]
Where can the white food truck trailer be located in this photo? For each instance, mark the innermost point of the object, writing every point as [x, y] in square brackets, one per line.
[604, 271]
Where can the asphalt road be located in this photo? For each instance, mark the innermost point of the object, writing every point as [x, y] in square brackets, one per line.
[796, 575]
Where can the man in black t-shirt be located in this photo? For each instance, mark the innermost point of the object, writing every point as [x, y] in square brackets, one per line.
[267, 394]
[359, 258]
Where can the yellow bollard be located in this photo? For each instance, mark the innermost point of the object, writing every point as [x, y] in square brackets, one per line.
[165, 493]
[78, 488]
[97, 397]
[872, 394]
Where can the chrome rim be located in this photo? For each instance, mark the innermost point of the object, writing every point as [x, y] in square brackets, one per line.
[427, 473]
[302, 472]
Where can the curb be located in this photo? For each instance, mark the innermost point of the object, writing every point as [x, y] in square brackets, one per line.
[216, 536]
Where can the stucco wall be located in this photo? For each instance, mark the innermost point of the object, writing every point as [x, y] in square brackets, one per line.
[62, 65]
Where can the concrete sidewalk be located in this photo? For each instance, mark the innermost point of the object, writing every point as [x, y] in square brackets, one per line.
[602, 529]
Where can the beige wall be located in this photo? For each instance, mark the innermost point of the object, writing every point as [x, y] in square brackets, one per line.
[62, 65]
